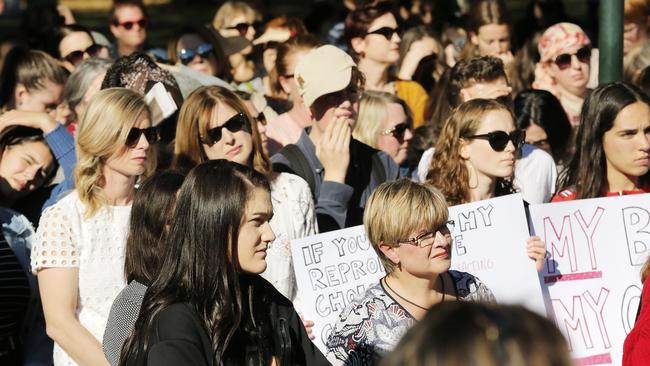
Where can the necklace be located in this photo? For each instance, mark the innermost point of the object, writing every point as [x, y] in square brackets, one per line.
[442, 282]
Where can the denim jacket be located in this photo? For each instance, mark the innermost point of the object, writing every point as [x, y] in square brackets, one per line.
[19, 233]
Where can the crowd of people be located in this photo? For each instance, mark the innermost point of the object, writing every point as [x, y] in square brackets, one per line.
[150, 195]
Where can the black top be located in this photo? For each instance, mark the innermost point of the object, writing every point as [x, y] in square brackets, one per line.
[177, 336]
[14, 291]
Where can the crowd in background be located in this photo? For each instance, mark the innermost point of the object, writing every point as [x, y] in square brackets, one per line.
[149, 195]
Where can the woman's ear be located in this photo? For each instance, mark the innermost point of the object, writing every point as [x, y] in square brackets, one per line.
[389, 252]
[463, 149]
[19, 95]
[473, 37]
[285, 84]
[358, 45]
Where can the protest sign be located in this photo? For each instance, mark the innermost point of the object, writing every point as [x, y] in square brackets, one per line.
[331, 270]
[490, 243]
[591, 278]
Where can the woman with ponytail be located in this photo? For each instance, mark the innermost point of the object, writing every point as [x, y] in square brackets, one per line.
[79, 251]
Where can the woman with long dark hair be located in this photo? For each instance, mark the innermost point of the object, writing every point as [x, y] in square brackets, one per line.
[209, 306]
[612, 145]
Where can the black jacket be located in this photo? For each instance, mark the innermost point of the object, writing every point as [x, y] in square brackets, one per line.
[177, 336]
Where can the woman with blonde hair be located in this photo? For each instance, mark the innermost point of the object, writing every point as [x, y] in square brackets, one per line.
[407, 225]
[474, 158]
[384, 122]
[215, 124]
[79, 251]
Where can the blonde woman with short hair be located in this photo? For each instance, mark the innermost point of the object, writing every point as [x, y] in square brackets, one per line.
[384, 122]
[406, 223]
[79, 251]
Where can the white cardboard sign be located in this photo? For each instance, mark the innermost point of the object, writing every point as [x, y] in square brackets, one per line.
[490, 243]
[591, 279]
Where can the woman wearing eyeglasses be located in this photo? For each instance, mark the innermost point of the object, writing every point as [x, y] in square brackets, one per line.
[475, 156]
[215, 124]
[612, 146]
[373, 41]
[79, 251]
[384, 123]
[563, 69]
[197, 49]
[406, 223]
[75, 45]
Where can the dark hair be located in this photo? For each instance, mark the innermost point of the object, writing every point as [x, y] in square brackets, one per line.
[643, 81]
[544, 109]
[223, 65]
[57, 34]
[152, 208]
[468, 72]
[358, 21]
[200, 264]
[521, 73]
[481, 334]
[123, 3]
[485, 12]
[586, 174]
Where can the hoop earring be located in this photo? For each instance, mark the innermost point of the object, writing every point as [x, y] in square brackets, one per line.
[472, 171]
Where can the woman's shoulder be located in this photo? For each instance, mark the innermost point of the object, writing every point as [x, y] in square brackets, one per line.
[287, 186]
[470, 287]
[177, 320]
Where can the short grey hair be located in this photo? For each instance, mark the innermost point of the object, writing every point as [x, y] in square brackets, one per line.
[81, 78]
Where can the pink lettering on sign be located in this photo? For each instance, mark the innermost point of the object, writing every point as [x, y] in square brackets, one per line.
[573, 277]
[600, 359]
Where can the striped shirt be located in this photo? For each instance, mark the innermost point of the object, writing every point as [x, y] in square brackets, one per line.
[14, 291]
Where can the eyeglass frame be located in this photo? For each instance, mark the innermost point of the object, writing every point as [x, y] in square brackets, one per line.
[417, 240]
[487, 136]
[87, 51]
[246, 126]
[392, 131]
[143, 23]
[565, 65]
[208, 48]
[388, 37]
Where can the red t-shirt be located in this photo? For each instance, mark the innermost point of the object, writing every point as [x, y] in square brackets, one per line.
[636, 349]
[569, 195]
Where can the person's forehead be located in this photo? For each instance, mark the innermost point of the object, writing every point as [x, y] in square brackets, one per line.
[128, 12]
[190, 40]
[386, 20]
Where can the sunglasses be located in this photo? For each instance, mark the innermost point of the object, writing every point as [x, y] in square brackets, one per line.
[236, 123]
[563, 61]
[261, 119]
[187, 55]
[142, 23]
[499, 139]
[150, 133]
[75, 57]
[397, 131]
[387, 32]
[242, 28]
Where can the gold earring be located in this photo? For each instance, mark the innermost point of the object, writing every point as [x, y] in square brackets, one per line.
[472, 172]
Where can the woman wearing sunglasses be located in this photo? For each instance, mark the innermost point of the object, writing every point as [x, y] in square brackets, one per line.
[384, 123]
[373, 41]
[474, 158]
[563, 69]
[197, 49]
[75, 45]
[215, 124]
[407, 225]
[612, 146]
[78, 256]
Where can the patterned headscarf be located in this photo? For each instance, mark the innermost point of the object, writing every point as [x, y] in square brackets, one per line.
[558, 38]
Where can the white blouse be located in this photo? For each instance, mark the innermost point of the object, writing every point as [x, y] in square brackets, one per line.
[95, 245]
[293, 218]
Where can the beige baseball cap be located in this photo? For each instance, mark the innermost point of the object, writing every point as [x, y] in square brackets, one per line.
[321, 71]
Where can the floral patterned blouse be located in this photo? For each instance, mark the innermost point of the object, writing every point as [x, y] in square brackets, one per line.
[371, 326]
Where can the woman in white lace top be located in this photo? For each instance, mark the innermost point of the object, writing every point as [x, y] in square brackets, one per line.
[79, 251]
[214, 123]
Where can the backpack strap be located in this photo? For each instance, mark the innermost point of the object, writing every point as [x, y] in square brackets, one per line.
[299, 166]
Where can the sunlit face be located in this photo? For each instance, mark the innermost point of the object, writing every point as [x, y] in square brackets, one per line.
[486, 90]
[131, 162]
[24, 167]
[481, 157]
[627, 143]
[45, 99]
[75, 41]
[433, 258]
[388, 142]
[376, 47]
[633, 34]
[233, 146]
[574, 78]
[492, 40]
[206, 64]
[229, 30]
[135, 36]
[536, 135]
[255, 233]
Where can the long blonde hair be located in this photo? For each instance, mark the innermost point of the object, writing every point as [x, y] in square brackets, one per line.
[102, 131]
[372, 114]
[194, 121]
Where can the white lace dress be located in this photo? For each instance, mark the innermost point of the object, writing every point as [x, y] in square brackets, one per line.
[293, 218]
[66, 239]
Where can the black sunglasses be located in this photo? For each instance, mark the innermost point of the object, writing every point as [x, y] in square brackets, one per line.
[187, 55]
[150, 133]
[236, 123]
[142, 23]
[75, 57]
[387, 32]
[242, 28]
[563, 61]
[398, 131]
[499, 139]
